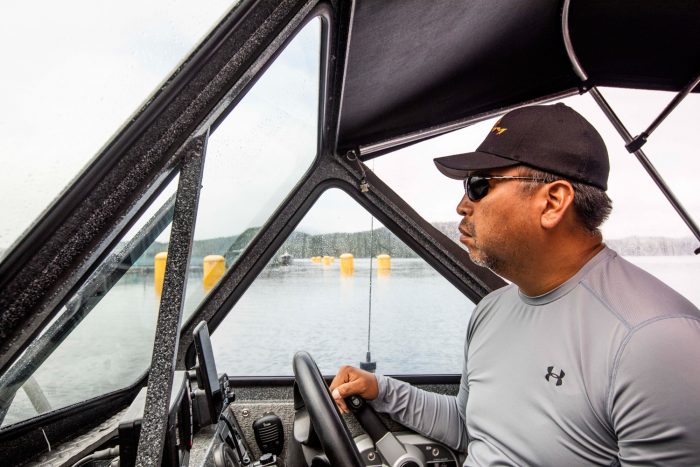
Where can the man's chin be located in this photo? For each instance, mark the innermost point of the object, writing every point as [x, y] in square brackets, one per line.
[475, 257]
[482, 260]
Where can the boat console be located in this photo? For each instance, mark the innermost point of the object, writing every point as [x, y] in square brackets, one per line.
[203, 430]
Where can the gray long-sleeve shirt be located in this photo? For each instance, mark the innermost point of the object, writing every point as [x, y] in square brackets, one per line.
[604, 368]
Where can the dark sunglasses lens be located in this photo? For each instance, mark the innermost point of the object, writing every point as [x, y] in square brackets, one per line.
[477, 188]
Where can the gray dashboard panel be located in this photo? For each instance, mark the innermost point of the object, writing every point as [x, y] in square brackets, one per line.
[253, 402]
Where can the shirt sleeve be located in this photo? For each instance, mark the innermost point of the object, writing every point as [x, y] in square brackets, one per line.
[655, 394]
[437, 416]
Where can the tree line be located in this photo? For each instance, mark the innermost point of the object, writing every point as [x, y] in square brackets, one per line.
[382, 241]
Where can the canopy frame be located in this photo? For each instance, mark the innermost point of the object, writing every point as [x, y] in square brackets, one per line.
[633, 144]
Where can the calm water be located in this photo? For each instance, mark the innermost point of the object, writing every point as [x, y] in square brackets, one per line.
[418, 325]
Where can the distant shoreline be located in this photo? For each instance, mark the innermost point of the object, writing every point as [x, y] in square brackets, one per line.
[365, 244]
[382, 241]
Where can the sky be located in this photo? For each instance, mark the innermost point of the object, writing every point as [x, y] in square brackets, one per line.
[73, 73]
[79, 69]
[639, 208]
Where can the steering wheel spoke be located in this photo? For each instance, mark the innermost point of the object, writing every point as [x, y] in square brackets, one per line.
[395, 453]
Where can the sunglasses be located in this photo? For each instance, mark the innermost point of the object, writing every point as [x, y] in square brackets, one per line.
[477, 186]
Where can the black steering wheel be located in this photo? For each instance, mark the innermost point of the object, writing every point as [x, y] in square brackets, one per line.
[328, 424]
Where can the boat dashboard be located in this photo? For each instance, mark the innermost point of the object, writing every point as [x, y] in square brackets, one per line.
[207, 426]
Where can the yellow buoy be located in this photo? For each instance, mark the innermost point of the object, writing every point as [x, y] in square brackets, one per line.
[315, 259]
[383, 262]
[214, 268]
[159, 270]
[347, 263]
[327, 260]
[383, 265]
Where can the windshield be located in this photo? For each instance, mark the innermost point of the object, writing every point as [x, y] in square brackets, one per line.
[74, 72]
[102, 339]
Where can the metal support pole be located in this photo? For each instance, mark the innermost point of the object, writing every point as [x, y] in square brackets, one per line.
[160, 377]
[642, 138]
[36, 396]
[626, 136]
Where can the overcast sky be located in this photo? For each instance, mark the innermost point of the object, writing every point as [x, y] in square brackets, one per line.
[80, 68]
[639, 207]
[73, 72]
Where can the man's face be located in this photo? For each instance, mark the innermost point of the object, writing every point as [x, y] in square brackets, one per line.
[495, 228]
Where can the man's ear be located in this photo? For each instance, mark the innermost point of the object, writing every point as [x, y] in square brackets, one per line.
[558, 199]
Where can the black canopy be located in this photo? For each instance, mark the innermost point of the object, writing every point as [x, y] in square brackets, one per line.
[414, 64]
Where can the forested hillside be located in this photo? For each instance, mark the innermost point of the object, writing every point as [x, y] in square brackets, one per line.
[364, 244]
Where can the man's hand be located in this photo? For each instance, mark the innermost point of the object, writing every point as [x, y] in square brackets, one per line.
[352, 381]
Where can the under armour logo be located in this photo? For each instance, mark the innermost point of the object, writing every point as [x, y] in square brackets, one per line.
[559, 377]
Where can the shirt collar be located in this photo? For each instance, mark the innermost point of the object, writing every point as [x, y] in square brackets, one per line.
[569, 285]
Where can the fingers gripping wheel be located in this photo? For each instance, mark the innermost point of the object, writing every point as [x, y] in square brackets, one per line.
[392, 450]
[330, 428]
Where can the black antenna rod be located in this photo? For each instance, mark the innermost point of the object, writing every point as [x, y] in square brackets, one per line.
[368, 364]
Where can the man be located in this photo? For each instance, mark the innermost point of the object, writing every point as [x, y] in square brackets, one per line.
[585, 358]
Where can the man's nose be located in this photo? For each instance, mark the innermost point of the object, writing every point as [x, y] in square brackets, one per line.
[465, 206]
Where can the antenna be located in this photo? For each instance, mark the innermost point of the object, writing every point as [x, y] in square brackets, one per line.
[369, 364]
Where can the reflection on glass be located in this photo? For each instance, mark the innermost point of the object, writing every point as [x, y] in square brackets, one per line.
[254, 159]
[102, 339]
[315, 296]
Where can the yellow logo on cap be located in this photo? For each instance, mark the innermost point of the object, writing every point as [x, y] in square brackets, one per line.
[497, 129]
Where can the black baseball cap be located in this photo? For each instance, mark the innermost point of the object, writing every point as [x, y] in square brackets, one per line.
[552, 138]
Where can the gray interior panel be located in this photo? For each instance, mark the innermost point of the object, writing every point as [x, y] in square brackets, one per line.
[253, 402]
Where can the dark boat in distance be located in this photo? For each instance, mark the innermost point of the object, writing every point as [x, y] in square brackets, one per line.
[286, 259]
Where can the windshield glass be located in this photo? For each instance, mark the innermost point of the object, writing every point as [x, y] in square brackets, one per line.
[73, 72]
[102, 339]
[344, 288]
[254, 158]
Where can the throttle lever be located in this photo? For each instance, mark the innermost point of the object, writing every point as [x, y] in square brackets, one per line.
[368, 418]
[392, 450]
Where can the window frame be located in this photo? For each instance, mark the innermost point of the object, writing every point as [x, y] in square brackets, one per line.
[142, 135]
[332, 170]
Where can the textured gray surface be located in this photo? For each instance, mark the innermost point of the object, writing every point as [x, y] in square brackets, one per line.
[160, 377]
[72, 451]
[253, 402]
[202, 447]
[247, 412]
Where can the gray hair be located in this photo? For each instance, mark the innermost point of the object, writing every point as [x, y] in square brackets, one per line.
[591, 204]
